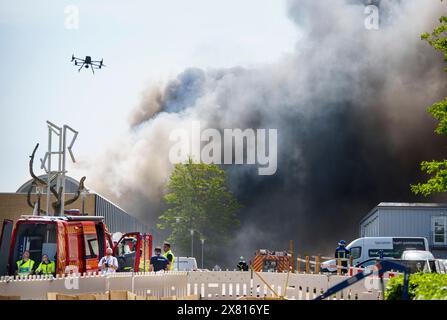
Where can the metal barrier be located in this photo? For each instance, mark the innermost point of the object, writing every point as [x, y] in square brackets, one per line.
[37, 287]
[234, 285]
[219, 285]
[215, 285]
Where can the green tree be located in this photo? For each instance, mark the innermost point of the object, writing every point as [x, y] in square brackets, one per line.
[437, 170]
[199, 199]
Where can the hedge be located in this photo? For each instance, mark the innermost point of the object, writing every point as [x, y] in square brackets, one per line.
[422, 286]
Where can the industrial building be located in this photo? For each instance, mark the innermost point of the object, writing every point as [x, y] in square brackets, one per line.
[14, 204]
[427, 220]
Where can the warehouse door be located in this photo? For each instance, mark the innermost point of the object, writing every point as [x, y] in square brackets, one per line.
[439, 229]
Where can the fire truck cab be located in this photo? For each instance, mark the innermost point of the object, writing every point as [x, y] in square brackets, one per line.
[75, 243]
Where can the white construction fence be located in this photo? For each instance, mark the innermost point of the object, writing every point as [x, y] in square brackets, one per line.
[215, 285]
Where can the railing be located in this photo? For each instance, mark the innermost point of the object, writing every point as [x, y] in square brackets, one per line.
[154, 284]
[235, 285]
[216, 285]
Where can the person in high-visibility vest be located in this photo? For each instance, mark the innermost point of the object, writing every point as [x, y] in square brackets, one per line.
[169, 255]
[46, 266]
[242, 265]
[342, 255]
[144, 263]
[25, 267]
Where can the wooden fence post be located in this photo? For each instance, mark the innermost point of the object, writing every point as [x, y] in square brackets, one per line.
[307, 264]
[317, 264]
[292, 257]
[298, 260]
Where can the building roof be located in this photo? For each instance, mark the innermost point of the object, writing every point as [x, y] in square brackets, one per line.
[71, 185]
[409, 204]
[402, 205]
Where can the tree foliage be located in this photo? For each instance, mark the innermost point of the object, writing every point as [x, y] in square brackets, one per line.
[437, 170]
[421, 286]
[199, 199]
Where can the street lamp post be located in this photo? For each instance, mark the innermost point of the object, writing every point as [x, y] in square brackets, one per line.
[192, 242]
[177, 222]
[203, 244]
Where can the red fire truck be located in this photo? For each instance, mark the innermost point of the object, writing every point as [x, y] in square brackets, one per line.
[75, 243]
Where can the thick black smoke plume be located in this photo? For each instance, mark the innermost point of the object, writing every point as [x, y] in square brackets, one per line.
[350, 109]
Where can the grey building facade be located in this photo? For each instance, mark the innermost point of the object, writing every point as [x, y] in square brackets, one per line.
[116, 218]
[427, 220]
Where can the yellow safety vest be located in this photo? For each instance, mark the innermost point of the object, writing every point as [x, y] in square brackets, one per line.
[44, 268]
[25, 268]
[171, 266]
[142, 267]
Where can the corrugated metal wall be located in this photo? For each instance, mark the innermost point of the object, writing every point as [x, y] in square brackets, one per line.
[117, 219]
[401, 221]
[407, 221]
[370, 227]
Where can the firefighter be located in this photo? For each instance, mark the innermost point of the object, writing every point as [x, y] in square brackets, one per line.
[169, 255]
[158, 262]
[242, 265]
[26, 265]
[46, 266]
[342, 253]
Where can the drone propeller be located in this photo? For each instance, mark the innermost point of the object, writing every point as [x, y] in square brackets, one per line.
[72, 57]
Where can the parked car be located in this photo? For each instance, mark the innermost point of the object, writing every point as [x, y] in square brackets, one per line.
[185, 264]
[418, 261]
[417, 255]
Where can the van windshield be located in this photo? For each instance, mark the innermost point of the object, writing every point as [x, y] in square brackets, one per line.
[37, 238]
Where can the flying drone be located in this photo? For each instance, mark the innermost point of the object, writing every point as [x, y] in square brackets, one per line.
[87, 63]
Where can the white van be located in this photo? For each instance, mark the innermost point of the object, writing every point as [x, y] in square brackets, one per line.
[185, 264]
[367, 248]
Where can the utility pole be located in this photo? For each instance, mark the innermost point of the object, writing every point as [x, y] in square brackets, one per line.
[177, 222]
[192, 242]
[203, 244]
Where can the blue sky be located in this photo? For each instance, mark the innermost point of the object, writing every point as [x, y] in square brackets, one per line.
[142, 42]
